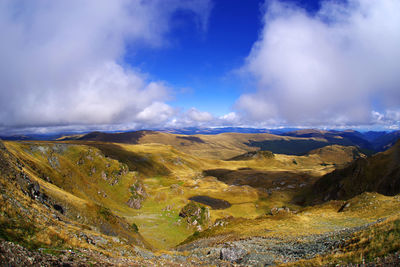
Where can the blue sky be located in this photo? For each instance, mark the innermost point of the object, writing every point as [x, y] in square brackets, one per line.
[199, 64]
[126, 64]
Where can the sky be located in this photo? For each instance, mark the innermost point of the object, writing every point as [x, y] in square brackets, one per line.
[128, 64]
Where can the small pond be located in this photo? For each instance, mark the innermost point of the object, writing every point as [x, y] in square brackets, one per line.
[214, 203]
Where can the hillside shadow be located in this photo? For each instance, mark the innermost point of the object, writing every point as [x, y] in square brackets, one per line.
[261, 179]
[288, 147]
[143, 164]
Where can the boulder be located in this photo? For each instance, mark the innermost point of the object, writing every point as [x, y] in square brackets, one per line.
[134, 203]
[344, 206]
[233, 254]
[138, 195]
[281, 210]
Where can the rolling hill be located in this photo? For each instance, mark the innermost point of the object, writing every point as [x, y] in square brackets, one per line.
[229, 145]
[379, 173]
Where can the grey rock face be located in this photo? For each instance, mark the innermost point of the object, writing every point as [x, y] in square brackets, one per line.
[134, 203]
[232, 254]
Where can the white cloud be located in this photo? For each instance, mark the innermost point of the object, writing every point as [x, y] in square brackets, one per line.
[389, 117]
[62, 61]
[199, 116]
[155, 114]
[231, 117]
[329, 68]
[196, 118]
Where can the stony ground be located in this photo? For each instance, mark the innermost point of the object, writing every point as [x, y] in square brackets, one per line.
[15, 255]
[267, 251]
[255, 251]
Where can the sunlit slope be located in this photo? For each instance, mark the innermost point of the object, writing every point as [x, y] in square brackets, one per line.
[35, 212]
[168, 191]
[80, 170]
[337, 155]
[104, 173]
[133, 194]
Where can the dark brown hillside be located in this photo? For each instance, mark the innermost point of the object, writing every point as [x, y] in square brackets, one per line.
[379, 173]
[128, 137]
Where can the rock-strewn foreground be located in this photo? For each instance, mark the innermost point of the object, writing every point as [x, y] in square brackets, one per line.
[249, 252]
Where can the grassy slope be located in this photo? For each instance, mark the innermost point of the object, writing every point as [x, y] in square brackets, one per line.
[185, 180]
[35, 223]
[170, 177]
[76, 188]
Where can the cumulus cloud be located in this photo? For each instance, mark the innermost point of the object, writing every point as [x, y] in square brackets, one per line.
[230, 118]
[156, 114]
[199, 116]
[390, 118]
[62, 61]
[334, 67]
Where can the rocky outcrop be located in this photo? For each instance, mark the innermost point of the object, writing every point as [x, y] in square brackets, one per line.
[281, 210]
[138, 195]
[195, 214]
[134, 203]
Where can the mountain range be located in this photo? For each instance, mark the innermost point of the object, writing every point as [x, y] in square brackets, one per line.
[375, 141]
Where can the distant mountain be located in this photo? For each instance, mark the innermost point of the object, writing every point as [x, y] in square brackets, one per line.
[371, 136]
[386, 141]
[379, 173]
[285, 141]
[31, 137]
[369, 142]
[15, 137]
[344, 138]
[195, 130]
[186, 131]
